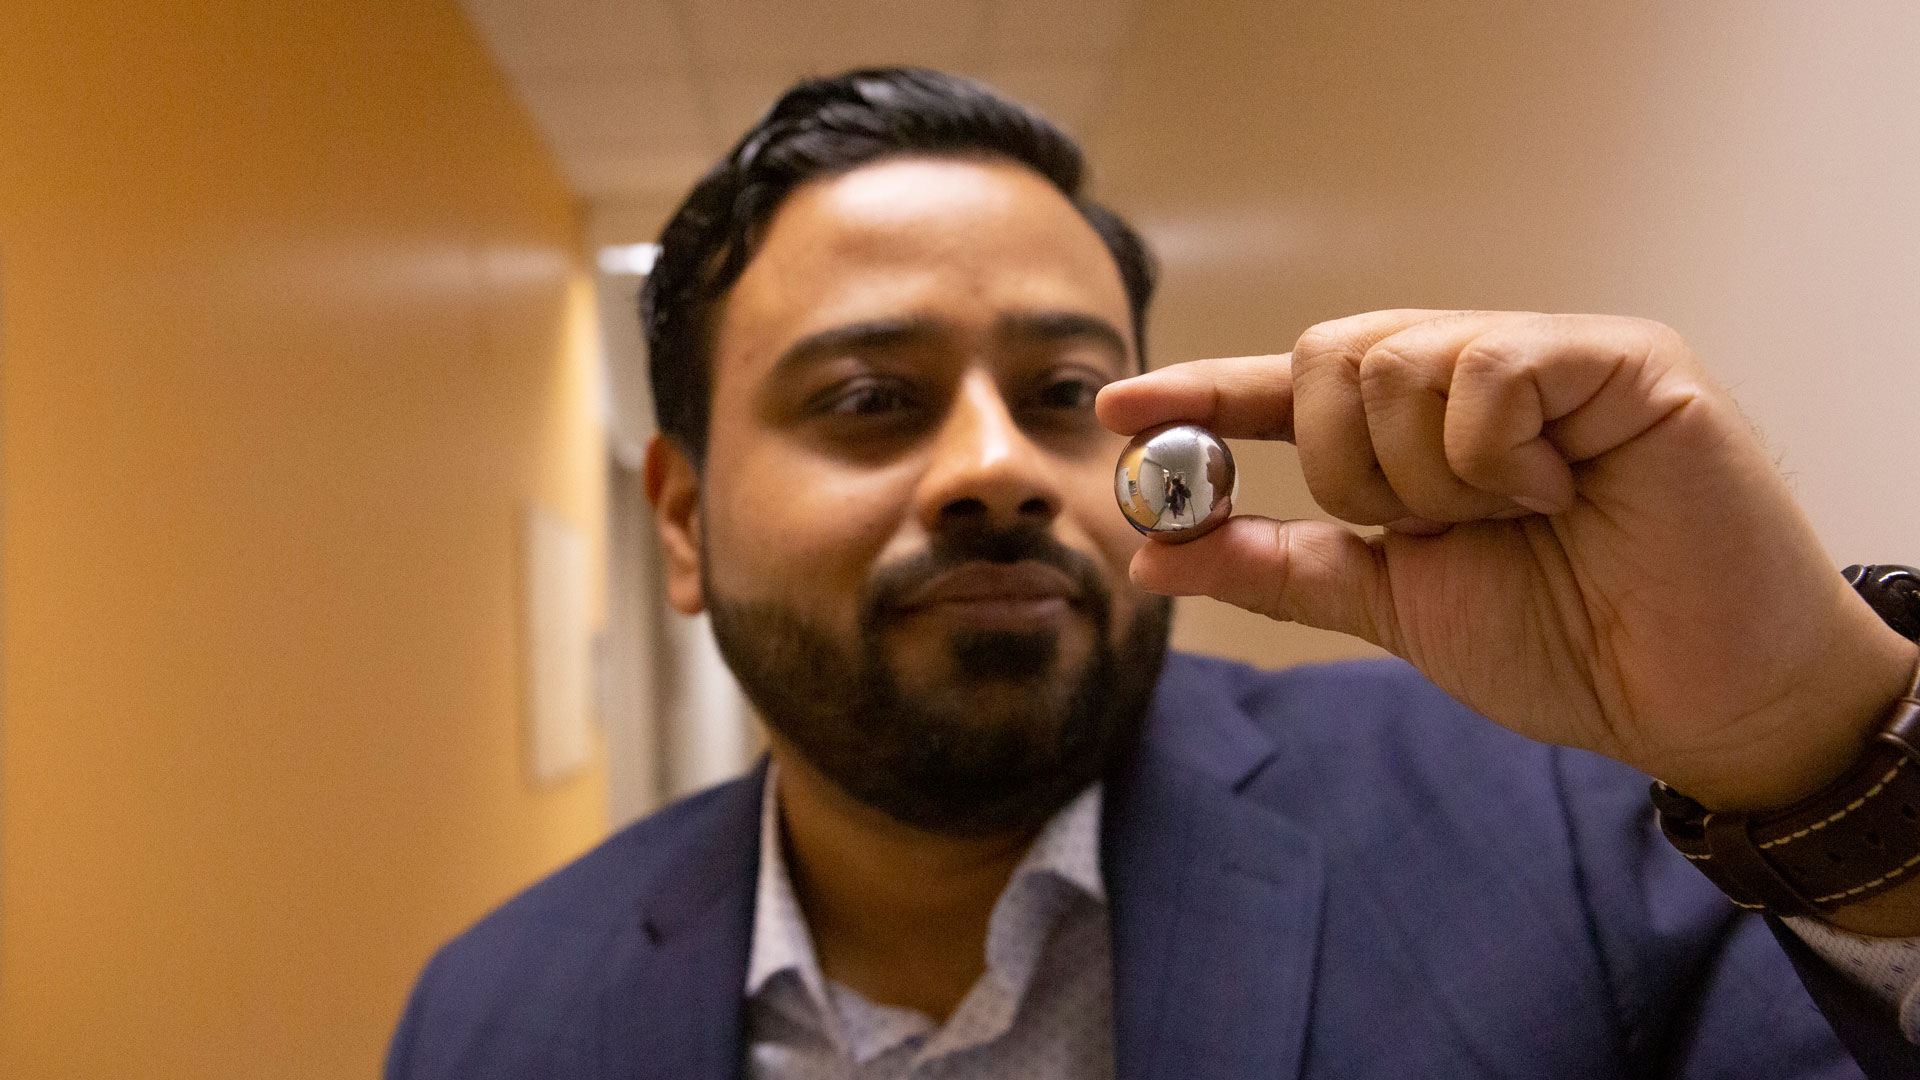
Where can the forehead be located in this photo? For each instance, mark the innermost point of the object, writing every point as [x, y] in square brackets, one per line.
[956, 241]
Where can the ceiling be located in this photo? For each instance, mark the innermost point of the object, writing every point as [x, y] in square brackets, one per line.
[637, 97]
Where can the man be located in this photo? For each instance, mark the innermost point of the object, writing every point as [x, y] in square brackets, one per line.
[1001, 833]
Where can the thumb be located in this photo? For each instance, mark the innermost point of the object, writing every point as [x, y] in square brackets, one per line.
[1311, 572]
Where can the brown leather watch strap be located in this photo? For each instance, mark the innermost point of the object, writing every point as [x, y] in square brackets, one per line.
[1855, 838]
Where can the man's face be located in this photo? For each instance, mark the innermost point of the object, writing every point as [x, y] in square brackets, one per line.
[905, 526]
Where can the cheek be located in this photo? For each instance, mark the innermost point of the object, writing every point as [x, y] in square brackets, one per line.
[783, 526]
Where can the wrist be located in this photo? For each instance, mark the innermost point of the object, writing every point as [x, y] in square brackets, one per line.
[1834, 833]
[1824, 728]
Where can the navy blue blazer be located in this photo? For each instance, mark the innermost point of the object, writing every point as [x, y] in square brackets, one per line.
[1325, 872]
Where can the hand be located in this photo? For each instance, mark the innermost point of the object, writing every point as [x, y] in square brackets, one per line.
[1585, 540]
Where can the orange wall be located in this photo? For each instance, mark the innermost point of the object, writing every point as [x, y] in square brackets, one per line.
[294, 326]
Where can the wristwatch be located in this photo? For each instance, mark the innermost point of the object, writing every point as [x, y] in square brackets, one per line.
[1853, 839]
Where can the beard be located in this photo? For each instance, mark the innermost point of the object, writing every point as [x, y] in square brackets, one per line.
[998, 743]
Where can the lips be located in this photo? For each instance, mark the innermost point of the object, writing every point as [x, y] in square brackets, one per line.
[995, 592]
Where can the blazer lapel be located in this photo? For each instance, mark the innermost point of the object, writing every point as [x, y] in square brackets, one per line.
[673, 1009]
[1214, 904]
[1215, 900]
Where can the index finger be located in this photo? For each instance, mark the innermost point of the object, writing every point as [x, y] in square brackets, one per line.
[1236, 397]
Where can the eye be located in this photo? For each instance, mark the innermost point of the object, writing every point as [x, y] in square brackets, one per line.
[866, 397]
[1068, 392]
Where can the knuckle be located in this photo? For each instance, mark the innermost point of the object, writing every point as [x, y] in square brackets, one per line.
[1474, 460]
[1385, 370]
[1661, 337]
[1355, 503]
[1480, 359]
[1638, 335]
[1325, 343]
[1651, 328]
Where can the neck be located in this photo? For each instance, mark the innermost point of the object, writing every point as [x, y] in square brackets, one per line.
[896, 913]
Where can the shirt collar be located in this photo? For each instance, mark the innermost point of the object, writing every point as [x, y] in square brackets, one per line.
[1067, 848]
[781, 941]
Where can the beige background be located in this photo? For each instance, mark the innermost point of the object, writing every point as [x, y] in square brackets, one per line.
[1739, 170]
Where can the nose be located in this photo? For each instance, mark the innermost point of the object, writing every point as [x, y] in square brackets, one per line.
[985, 472]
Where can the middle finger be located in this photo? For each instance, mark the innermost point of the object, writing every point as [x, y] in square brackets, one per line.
[1404, 381]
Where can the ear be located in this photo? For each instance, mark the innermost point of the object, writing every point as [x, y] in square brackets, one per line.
[673, 487]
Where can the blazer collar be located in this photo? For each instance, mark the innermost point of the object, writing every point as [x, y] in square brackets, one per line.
[674, 1009]
[1215, 900]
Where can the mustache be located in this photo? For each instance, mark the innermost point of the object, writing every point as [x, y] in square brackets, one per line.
[889, 586]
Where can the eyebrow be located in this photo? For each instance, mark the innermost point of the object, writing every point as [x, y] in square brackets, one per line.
[878, 334]
[1062, 326]
[870, 336]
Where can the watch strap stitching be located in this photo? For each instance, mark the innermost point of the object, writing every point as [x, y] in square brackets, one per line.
[1874, 884]
[1730, 844]
[1761, 862]
[1865, 797]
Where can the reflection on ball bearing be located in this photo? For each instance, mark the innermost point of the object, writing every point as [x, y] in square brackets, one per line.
[1175, 482]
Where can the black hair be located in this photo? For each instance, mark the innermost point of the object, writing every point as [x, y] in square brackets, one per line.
[821, 128]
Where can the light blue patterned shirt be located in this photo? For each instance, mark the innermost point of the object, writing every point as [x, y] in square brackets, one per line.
[1887, 968]
[1043, 1010]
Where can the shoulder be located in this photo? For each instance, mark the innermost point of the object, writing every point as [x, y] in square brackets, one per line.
[1513, 871]
[526, 972]
[1377, 692]
[1370, 716]
[1375, 758]
[601, 889]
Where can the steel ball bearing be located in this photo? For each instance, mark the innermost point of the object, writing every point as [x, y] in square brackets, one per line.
[1175, 482]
